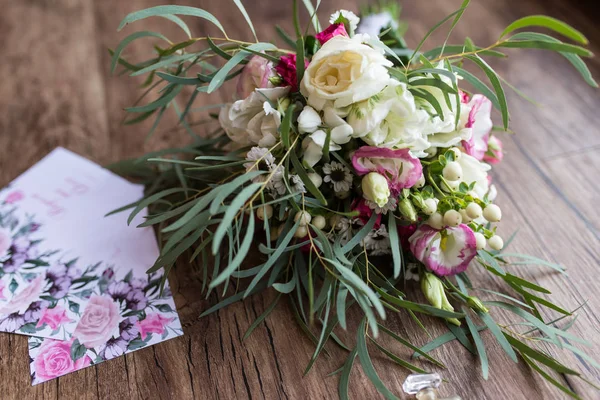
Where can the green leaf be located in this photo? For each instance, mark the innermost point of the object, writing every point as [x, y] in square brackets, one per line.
[77, 350]
[498, 334]
[551, 379]
[166, 10]
[119, 49]
[345, 375]
[443, 86]
[543, 45]
[395, 244]
[495, 81]
[398, 360]
[151, 199]
[285, 126]
[300, 65]
[220, 76]
[261, 317]
[546, 22]
[411, 346]
[232, 210]
[227, 189]
[360, 235]
[239, 5]
[367, 364]
[440, 341]
[180, 80]
[160, 102]
[457, 49]
[313, 15]
[480, 347]
[286, 38]
[479, 86]
[178, 21]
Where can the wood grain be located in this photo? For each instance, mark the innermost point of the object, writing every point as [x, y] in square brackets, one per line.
[57, 90]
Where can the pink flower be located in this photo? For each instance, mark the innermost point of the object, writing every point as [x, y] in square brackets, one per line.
[20, 303]
[255, 75]
[331, 31]
[445, 252]
[5, 241]
[53, 317]
[365, 212]
[13, 197]
[54, 360]
[404, 233]
[480, 122]
[464, 97]
[287, 69]
[100, 320]
[399, 167]
[153, 323]
[494, 152]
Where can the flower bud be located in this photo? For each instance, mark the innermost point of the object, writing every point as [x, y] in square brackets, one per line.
[274, 233]
[474, 210]
[342, 195]
[430, 206]
[436, 221]
[434, 292]
[492, 213]
[264, 212]
[465, 217]
[420, 183]
[457, 153]
[452, 218]
[319, 222]
[496, 242]
[452, 171]
[476, 304]
[375, 188]
[480, 240]
[315, 178]
[305, 216]
[407, 209]
[309, 120]
[450, 186]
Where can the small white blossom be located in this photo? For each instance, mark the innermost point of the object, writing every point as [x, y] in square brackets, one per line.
[378, 241]
[412, 272]
[277, 185]
[342, 230]
[297, 184]
[259, 159]
[338, 175]
[352, 19]
[390, 206]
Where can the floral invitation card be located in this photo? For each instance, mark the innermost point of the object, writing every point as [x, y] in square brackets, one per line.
[72, 279]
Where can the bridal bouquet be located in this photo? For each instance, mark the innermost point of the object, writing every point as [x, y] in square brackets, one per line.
[358, 167]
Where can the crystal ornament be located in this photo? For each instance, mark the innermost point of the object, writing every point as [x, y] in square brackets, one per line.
[424, 386]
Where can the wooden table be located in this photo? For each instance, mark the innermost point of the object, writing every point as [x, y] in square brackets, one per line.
[55, 89]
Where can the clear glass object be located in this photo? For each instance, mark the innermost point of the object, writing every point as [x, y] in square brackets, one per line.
[424, 387]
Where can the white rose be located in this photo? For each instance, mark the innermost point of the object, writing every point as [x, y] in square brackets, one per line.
[253, 120]
[344, 71]
[474, 170]
[391, 119]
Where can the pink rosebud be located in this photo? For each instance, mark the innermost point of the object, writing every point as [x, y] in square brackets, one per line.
[446, 252]
[53, 317]
[54, 359]
[255, 75]
[331, 31]
[287, 70]
[153, 323]
[464, 97]
[495, 152]
[480, 122]
[399, 167]
[14, 197]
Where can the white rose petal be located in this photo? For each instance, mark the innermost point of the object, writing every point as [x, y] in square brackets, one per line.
[309, 120]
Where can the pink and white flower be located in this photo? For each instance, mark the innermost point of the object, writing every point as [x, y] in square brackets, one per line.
[2, 287]
[256, 75]
[446, 252]
[399, 167]
[54, 360]
[21, 301]
[53, 317]
[153, 323]
[100, 320]
[480, 122]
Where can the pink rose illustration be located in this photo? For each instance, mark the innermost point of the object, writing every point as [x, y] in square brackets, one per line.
[100, 320]
[5, 241]
[14, 197]
[25, 297]
[54, 360]
[153, 323]
[53, 317]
